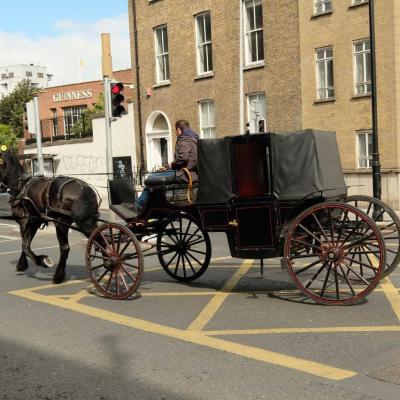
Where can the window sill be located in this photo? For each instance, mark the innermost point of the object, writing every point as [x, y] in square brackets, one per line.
[322, 101]
[361, 96]
[204, 76]
[358, 4]
[317, 15]
[162, 84]
[260, 64]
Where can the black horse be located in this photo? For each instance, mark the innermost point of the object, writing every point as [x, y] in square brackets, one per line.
[37, 200]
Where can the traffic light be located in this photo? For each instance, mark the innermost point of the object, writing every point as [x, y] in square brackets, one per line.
[116, 99]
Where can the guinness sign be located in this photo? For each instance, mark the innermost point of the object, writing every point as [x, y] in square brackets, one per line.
[72, 95]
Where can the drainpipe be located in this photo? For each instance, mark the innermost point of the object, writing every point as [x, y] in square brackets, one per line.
[139, 102]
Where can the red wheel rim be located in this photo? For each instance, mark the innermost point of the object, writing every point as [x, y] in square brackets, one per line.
[327, 245]
[114, 261]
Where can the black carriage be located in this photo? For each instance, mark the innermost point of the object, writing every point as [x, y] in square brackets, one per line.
[274, 195]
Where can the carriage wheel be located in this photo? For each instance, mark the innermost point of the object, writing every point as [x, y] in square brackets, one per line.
[389, 224]
[327, 246]
[184, 249]
[114, 261]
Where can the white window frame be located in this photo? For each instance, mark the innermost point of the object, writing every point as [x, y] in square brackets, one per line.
[357, 2]
[204, 66]
[262, 112]
[368, 157]
[324, 92]
[71, 116]
[161, 54]
[207, 130]
[248, 32]
[362, 86]
[322, 6]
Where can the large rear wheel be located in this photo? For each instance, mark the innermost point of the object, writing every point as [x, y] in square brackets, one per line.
[334, 253]
[389, 224]
[114, 261]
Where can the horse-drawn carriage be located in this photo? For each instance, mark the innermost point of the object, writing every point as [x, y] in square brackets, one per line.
[273, 195]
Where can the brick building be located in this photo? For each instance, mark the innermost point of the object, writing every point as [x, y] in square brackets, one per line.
[336, 84]
[306, 65]
[189, 68]
[61, 108]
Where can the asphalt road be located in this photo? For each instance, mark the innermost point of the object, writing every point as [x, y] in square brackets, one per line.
[230, 335]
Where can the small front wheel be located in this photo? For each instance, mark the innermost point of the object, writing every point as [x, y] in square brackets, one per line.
[184, 249]
[114, 261]
[335, 253]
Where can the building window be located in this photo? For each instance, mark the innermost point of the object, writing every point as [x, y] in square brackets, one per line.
[162, 58]
[362, 67]
[365, 149]
[322, 6]
[54, 121]
[325, 88]
[28, 74]
[11, 74]
[356, 2]
[207, 119]
[253, 31]
[256, 112]
[203, 39]
[72, 116]
[3, 76]
[40, 75]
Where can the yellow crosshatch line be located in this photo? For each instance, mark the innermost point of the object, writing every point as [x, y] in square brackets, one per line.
[197, 335]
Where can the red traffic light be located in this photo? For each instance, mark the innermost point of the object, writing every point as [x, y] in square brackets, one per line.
[117, 88]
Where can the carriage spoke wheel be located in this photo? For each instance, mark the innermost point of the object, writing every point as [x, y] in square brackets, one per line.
[389, 224]
[114, 261]
[183, 248]
[335, 253]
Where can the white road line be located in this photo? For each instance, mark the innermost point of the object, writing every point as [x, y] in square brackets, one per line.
[9, 238]
[38, 248]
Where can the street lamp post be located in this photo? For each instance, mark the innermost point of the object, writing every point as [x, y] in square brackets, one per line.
[376, 167]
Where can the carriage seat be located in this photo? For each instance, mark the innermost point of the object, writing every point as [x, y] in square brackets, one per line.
[121, 196]
[165, 178]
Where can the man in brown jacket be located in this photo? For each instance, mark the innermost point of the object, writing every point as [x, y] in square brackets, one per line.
[185, 157]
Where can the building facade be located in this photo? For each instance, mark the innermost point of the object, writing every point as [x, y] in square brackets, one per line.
[61, 108]
[336, 85]
[306, 64]
[10, 77]
[189, 64]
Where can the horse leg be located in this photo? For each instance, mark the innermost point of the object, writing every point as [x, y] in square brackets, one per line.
[62, 236]
[26, 236]
[29, 228]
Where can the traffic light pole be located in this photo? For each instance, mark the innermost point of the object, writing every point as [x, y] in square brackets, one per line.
[107, 109]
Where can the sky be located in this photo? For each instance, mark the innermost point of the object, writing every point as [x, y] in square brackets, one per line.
[64, 36]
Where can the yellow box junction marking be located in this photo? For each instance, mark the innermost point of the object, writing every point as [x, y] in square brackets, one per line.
[199, 338]
[206, 338]
[212, 307]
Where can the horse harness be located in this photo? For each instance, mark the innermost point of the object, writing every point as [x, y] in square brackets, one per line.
[18, 203]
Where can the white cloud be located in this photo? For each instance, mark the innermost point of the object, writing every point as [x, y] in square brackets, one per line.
[61, 53]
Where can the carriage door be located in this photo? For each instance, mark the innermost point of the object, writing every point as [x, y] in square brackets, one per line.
[253, 207]
[158, 142]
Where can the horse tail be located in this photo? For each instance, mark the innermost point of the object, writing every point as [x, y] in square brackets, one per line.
[84, 211]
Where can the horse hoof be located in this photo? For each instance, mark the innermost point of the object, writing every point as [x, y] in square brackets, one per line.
[57, 279]
[20, 269]
[47, 262]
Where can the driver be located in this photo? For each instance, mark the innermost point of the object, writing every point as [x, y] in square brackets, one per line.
[185, 157]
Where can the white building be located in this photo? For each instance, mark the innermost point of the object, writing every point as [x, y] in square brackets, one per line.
[10, 76]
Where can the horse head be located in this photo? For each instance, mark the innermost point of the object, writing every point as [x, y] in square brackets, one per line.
[10, 168]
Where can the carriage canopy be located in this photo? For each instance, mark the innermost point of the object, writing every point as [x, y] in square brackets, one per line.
[290, 166]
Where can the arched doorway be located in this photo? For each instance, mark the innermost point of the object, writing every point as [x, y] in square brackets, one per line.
[158, 140]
